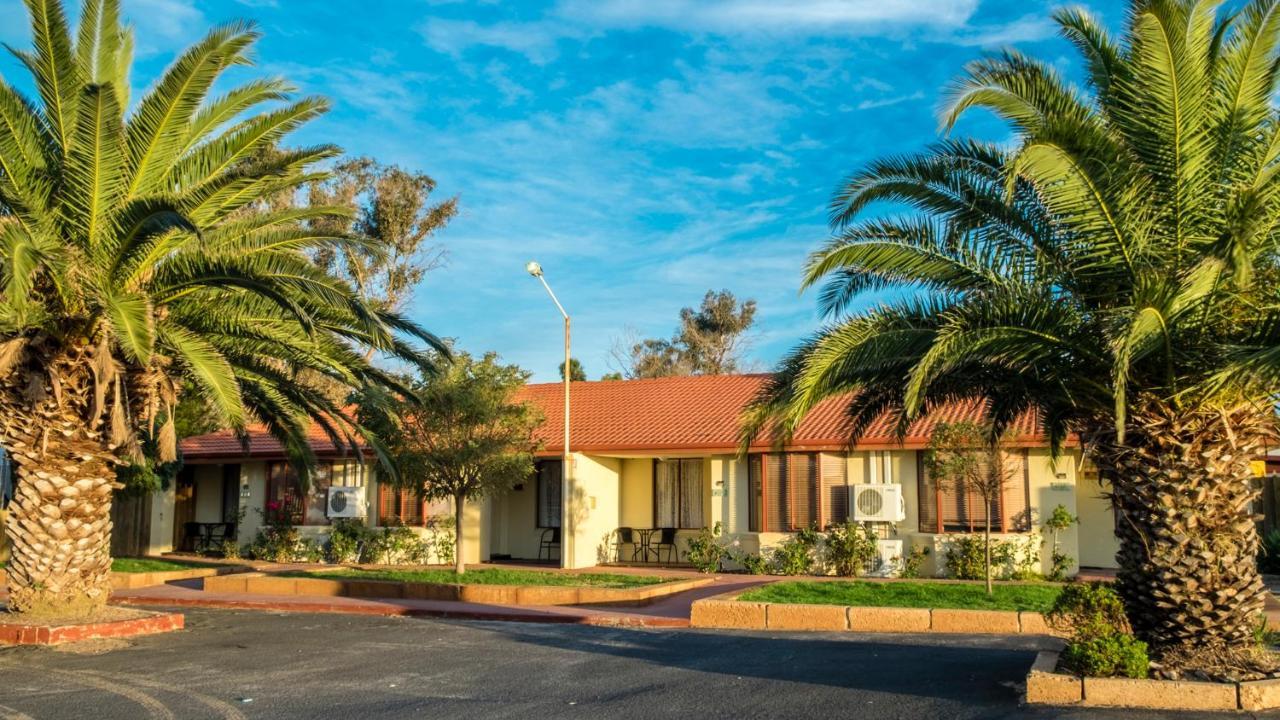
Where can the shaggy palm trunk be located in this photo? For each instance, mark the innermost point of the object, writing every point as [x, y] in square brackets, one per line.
[59, 522]
[1183, 492]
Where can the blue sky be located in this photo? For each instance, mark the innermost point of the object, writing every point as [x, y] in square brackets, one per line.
[644, 151]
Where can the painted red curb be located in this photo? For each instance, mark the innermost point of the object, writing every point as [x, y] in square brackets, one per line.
[399, 611]
[34, 634]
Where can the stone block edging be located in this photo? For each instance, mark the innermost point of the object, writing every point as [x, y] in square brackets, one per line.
[133, 581]
[1047, 686]
[37, 634]
[727, 612]
[257, 583]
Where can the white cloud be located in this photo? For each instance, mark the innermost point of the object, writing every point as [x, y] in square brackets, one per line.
[535, 40]
[1025, 29]
[870, 104]
[855, 17]
[164, 25]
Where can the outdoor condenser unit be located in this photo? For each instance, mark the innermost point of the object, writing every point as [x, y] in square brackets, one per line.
[345, 502]
[878, 503]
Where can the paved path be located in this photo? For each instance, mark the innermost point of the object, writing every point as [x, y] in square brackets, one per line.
[671, 611]
[242, 666]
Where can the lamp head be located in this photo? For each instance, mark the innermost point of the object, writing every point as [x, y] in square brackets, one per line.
[534, 268]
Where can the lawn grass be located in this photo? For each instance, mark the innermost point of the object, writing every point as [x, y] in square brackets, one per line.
[146, 565]
[490, 576]
[1029, 597]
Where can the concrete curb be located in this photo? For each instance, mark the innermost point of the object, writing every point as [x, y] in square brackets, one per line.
[1047, 686]
[134, 581]
[37, 634]
[726, 611]
[402, 611]
[517, 595]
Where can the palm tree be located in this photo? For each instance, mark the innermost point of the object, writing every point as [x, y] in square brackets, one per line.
[139, 253]
[1114, 270]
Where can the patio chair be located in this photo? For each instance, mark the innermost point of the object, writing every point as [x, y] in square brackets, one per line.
[625, 536]
[550, 539]
[192, 536]
[666, 539]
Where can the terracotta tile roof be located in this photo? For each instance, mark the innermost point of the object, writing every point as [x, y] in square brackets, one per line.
[702, 413]
[224, 445]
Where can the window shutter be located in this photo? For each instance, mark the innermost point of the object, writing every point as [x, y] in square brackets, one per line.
[927, 497]
[384, 503]
[777, 516]
[835, 489]
[804, 490]
[755, 497]
[1016, 503]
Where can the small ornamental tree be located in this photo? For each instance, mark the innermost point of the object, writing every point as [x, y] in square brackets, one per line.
[464, 438]
[968, 455]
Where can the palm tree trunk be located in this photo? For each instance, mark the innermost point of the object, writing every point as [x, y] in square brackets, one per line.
[1183, 492]
[59, 522]
[459, 565]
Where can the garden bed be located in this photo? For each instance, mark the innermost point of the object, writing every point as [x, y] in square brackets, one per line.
[1028, 597]
[493, 586]
[747, 611]
[114, 623]
[1046, 685]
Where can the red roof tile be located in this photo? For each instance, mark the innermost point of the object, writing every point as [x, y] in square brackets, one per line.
[703, 413]
[224, 445]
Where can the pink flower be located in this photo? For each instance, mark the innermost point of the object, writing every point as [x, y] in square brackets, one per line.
[272, 505]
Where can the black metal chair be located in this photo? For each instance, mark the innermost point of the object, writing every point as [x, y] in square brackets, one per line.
[550, 539]
[625, 536]
[192, 536]
[666, 539]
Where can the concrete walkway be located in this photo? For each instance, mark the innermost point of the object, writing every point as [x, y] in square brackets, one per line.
[671, 611]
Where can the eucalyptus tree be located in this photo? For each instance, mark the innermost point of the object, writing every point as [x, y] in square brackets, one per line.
[139, 255]
[1113, 269]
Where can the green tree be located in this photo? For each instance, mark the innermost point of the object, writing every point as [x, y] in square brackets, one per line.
[139, 254]
[461, 435]
[709, 341]
[1112, 269]
[393, 211]
[965, 455]
[579, 374]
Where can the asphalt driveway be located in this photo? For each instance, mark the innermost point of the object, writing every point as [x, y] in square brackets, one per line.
[235, 665]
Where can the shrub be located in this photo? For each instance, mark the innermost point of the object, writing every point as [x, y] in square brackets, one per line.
[795, 556]
[1101, 643]
[346, 541]
[1059, 521]
[966, 558]
[912, 563]
[849, 548]
[230, 550]
[1113, 654]
[440, 540]
[753, 563]
[397, 545]
[706, 553]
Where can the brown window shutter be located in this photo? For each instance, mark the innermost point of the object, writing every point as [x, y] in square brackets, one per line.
[776, 511]
[755, 497]
[804, 490]
[835, 489]
[384, 500]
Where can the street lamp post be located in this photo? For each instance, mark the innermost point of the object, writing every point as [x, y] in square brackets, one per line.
[566, 533]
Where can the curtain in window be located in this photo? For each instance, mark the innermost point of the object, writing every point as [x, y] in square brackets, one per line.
[550, 476]
[666, 493]
[691, 494]
[284, 496]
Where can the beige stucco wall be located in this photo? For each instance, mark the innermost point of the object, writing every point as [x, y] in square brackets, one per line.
[591, 510]
[636, 493]
[1097, 543]
[208, 493]
[513, 522]
[161, 540]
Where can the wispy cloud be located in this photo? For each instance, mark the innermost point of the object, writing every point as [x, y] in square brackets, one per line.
[871, 104]
[855, 17]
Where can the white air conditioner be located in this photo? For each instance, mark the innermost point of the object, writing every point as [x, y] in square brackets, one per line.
[878, 503]
[890, 560]
[345, 502]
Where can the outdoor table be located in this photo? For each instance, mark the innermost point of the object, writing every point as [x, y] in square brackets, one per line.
[204, 541]
[642, 540]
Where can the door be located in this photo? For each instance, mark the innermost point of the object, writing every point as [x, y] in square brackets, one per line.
[184, 507]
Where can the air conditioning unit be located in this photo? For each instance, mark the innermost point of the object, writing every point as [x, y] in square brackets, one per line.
[890, 560]
[878, 503]
[345, 502]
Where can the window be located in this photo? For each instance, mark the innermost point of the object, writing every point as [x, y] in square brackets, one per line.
[793, 491]
[284, 491]
[677, 494]
[398, 506]
[550, 479]
[945, 506]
